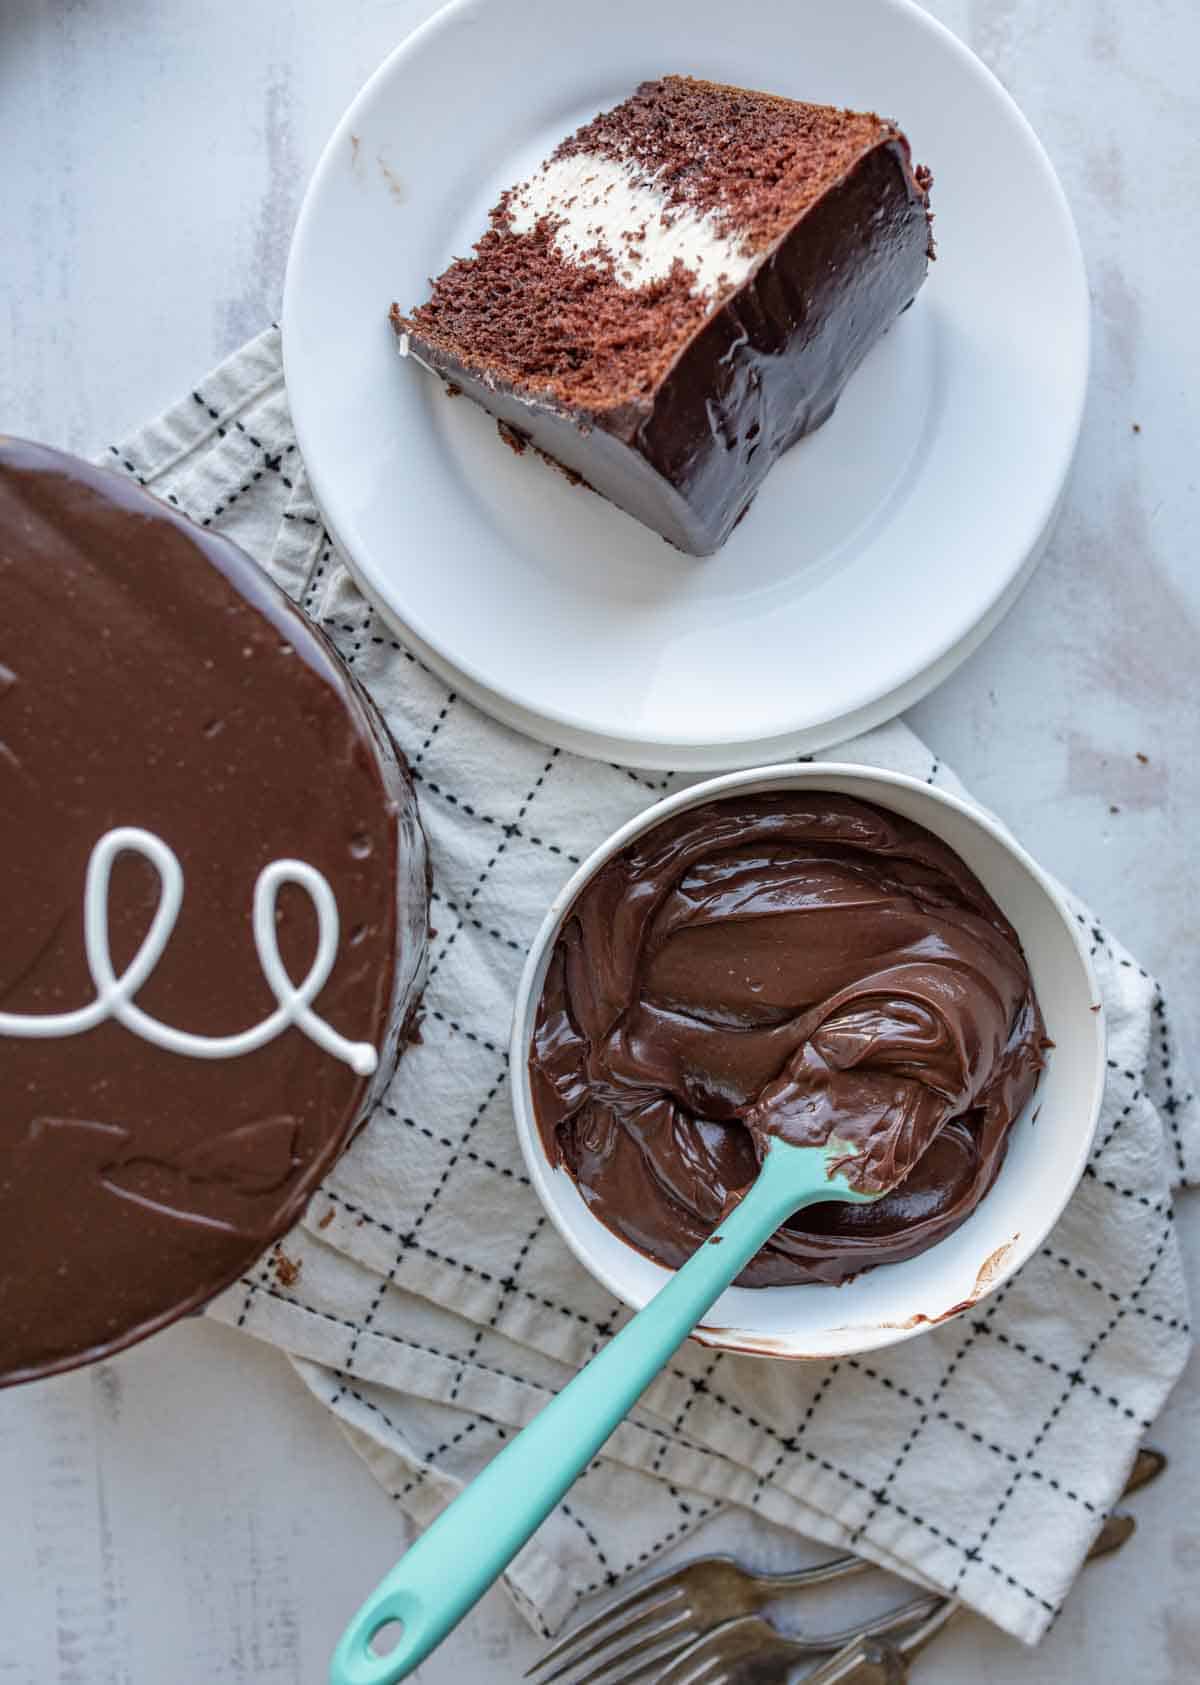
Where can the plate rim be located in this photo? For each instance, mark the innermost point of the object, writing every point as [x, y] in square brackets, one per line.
[907, 681]
[663, 756]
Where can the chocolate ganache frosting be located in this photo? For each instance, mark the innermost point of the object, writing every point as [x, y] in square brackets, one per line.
[200, 813]
[799, 964]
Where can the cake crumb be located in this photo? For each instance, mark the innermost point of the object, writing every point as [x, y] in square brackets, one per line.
[1113, 809]
[395, 186]
[515, 440]
[453, 391]
[1137, 426]
[287, 1269]
[1144, 759]
[569, 474]
[327, 1218]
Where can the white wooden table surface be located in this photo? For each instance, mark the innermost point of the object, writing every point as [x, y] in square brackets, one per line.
[187, 1515]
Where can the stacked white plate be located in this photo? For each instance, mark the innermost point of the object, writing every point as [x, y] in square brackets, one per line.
[880, 551]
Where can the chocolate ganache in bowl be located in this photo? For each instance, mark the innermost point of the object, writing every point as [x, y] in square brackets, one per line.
[796, 962]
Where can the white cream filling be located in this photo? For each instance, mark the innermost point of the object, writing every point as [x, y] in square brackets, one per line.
[597, 202]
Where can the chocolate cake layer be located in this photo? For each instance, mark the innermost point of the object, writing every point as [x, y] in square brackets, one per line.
[160, 699]
[800, 965]
[681, 292]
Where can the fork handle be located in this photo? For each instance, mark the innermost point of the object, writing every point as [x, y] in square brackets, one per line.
[837, 1568]
[471, 1543]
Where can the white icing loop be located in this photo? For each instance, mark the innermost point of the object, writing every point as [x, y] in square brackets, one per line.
[115, 995]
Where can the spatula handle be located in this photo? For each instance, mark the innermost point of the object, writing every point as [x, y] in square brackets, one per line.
[470, 1544]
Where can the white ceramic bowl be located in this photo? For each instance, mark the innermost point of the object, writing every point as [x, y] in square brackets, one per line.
[1048, 1147]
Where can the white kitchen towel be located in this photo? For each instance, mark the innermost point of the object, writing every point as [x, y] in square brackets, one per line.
[428, 1301]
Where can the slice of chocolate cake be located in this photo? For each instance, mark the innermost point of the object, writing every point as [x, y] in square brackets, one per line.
[681, 292]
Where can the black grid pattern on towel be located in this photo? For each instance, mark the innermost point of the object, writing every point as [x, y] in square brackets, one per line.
[996, 1396]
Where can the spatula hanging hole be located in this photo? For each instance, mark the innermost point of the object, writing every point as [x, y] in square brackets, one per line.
[385, 1638]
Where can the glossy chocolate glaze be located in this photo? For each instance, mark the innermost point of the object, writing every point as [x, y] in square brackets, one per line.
[770, 365]
[150, 675]
[766, 367]
[798, 964]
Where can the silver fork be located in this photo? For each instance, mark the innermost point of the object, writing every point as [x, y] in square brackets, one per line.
[655, 1624]
[750, 1651]
[678, 1610]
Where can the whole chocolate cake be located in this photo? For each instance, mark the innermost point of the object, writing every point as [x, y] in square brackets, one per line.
[681, 292]
[213, 911]
[801, 965]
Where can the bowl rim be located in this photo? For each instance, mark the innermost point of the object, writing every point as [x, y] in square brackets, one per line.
[750, 1342]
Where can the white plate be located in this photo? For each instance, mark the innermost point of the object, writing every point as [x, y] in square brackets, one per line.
[875, 547]
[717, 757]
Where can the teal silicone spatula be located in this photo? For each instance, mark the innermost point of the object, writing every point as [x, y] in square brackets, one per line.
[471, 1543]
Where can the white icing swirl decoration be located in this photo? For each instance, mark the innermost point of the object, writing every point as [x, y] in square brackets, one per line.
[115, 995]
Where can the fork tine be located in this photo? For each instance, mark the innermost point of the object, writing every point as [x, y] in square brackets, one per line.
[719, 1653]
[605, 1628]
[704, 1669]
[677, 1629]
[650, 1666]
